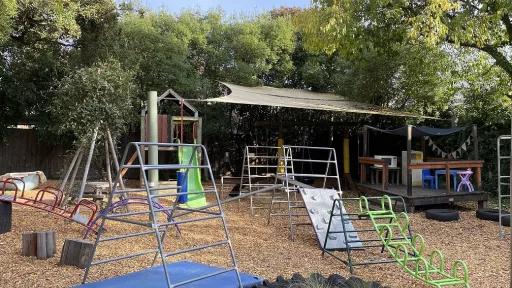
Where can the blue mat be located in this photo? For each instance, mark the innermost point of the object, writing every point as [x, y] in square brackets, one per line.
[154, 277]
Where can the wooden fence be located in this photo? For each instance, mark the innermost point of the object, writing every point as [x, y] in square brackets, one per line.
[25, 151]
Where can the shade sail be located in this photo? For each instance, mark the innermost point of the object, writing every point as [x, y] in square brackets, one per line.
[301, 99]
[420, 131]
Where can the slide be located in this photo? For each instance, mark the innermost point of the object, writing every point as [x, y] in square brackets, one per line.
[194, 177]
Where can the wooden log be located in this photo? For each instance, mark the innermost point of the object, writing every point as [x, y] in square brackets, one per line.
[5, 217]
[39, 244]
[76, 252]
[29, 244]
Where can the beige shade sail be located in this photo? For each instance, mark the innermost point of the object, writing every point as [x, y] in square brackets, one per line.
[301, 99]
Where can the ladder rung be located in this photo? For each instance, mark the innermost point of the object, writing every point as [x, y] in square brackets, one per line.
[311, 175]
[180, 193]
[130, 190]
[127, 236]
[124, 257]
[146, 224]
[311, 160]
[195, 248]
[117, 215]
[189, 220]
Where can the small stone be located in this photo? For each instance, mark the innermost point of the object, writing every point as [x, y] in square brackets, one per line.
[336, 280]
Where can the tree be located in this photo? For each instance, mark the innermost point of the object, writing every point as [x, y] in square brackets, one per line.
[7, 11]
[485, 25]
[102, 94]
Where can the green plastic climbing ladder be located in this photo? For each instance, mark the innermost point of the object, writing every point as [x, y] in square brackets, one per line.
[409, 253]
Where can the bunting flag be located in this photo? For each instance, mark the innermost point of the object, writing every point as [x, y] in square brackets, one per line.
[452, 155]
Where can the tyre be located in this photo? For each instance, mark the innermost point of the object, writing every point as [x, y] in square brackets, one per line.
[489, 214]
[443, 215]
[505, 220]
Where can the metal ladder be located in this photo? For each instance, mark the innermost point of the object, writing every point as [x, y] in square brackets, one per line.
[291, 186]
[257, 158]
[154, 223]
[503, 181]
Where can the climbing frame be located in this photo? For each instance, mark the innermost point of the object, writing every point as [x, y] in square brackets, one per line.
[409, 253]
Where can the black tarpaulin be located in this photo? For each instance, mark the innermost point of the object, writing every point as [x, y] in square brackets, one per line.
[420, 131]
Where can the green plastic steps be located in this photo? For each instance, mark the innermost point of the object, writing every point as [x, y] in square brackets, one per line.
[410, 252]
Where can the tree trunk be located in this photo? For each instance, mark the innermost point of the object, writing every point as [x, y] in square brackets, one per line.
[39, 244]
[76, 253]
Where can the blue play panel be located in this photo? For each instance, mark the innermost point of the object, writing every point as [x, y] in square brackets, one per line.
[154, 277]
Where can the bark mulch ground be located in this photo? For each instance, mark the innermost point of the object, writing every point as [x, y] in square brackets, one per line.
[261, 249]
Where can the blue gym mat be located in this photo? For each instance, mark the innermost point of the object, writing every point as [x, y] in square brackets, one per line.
[154, 277]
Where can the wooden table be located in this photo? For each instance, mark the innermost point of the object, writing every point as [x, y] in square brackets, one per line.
[475, 165]
[394, 172]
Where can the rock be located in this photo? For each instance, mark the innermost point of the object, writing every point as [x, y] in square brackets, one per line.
[336, 280]
[297, 278]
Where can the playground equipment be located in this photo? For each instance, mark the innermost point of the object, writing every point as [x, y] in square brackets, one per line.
[323, 159]
[367, 236]
[319, 207]
[394, 234]
[503, 182]
[259, 170]
[189, 156]
[158, 227]
[31, 180]
[49, 199]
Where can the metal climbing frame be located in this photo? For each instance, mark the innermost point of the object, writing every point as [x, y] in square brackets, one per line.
[503, 182]
[324, 158]
[368, 236]
[410, 253]
[156, 220]
[258, 171]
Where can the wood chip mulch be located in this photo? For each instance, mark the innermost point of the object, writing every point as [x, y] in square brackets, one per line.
[261, 249]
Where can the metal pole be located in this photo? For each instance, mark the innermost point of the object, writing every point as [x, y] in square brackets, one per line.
[409, 147]
[510, 192]
[114, 157]
[107, 166]
[475, 142]
[153, 137]
[70, 169]
[88, 163]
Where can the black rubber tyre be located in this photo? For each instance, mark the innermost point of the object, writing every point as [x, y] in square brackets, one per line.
[505, 220]
[489, 214]
[5, 217]
[443, 215]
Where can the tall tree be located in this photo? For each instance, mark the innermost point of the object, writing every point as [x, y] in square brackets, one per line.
[485, 25]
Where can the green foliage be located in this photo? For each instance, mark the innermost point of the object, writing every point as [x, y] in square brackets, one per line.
[98, 95]
[351, 26]
[7, 11]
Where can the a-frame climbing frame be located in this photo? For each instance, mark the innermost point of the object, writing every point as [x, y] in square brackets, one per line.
[157, 222]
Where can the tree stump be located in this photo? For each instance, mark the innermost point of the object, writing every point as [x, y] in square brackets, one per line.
[39, 244]
[5, 217]
[76, 253]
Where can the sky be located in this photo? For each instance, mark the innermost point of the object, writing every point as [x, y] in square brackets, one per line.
[231, 7]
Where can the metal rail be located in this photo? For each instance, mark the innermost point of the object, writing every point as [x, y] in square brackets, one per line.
[290, 172]
[158, 227]
[503, 194]
[349, 261]
[260, 164]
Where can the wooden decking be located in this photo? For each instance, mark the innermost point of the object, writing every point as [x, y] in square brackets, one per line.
[421, 196]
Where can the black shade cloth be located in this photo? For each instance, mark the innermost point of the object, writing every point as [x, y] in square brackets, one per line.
[420, 131]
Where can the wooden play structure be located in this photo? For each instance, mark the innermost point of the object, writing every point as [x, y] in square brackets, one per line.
[411, 186]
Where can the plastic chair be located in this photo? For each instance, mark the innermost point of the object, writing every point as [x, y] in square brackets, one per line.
[465, 180]
[426, 176]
